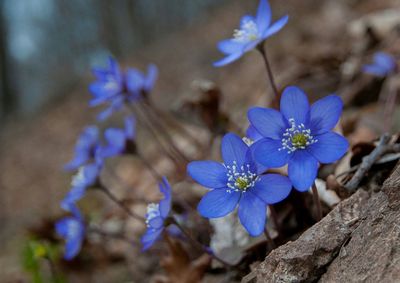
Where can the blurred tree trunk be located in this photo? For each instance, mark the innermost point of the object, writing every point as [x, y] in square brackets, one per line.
[6, 99]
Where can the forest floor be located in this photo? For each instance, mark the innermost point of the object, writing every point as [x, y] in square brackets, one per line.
[321, 50]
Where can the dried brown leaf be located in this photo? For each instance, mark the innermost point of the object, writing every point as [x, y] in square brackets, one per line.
[179, 267]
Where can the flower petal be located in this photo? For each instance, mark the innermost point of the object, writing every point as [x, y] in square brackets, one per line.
[275, 27]
[252, 213]
[209, 174]
[72, 247]
[386, 61]
[156, 222]
[294, 104]
[325, 113]
[253, 134]
[228, 59]
[267, 153]
[229, 46]
[233, 150]
[272, 188]
[152, 74]
[374, 70]
[302, 170]
[150, 237]
[329, 148]
[263, 18]
[218, 203]
[165, 203]
[268, 122]
[130, 127]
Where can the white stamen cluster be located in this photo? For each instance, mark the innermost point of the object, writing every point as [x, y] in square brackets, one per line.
[247, 32]
[296, 137]
[240, 178]
[79, 178]
[153, 211]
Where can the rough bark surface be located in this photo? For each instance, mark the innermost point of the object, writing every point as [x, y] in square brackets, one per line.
[358, 241]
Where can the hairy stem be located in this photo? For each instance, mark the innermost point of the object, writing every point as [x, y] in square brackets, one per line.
[269, 70]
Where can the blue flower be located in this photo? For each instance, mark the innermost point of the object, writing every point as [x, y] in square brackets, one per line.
[72, 229]
[237, 182]
[138, 83]
[114, 87]
[108, 88]
[253, 31]
[118, 139]
[85, 148]
[87, 176]
[299, 135]
[156, 215]
[384, 64]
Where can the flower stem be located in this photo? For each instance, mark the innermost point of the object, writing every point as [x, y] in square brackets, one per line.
[317, 202]
[120, 203]
[153, 171]
[269, 70]
[149, 127]
[161, 129]
[199, 245]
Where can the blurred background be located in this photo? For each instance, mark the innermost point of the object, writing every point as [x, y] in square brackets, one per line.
[47, 49]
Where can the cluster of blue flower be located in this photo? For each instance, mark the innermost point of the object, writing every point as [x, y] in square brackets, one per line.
[300, 136]
[114, 89]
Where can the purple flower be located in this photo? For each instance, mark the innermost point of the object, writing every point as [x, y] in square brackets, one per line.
[114, 88]
[252, 31]
[119, 140]
[87, 176]
[299, 135]
[237, 182]
[72, 229]
[85, 148]
[156, 216]
[384, 64]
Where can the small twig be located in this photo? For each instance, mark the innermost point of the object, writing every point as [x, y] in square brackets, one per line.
[368, 161]
[317, 201]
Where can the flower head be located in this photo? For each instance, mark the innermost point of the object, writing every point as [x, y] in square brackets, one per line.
[119, 140]
[383, 64]
[87, 176]
[156, 215]
[238, 182]
[72, 229]
[85, 148]
[114, 87]
[299, 135]
[252, 31]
